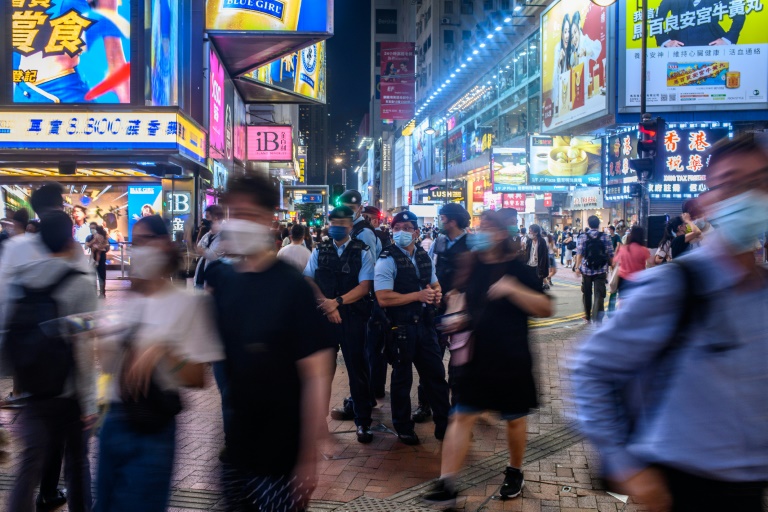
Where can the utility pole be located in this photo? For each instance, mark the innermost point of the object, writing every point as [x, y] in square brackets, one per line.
[644, 206]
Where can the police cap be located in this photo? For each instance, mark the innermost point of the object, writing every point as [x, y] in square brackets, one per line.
[456, 212]
[406, 216]
[372, 210]
[341, 212]
[351, 197]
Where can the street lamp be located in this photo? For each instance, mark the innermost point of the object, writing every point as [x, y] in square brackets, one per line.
[338, 160]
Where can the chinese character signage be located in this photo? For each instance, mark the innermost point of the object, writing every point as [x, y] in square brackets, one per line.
[239, 128]
[270, 143]
[300, 73]
[564, 160]
[516, 201]
[269, 15]
[143, 200]
[509, 169]
[398, 81]
[68, 51]
[618, 151]
[705, 52]
[216, 105]
[573, 72]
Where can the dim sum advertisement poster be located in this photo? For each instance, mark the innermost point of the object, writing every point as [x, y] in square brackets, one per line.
[700, 52]
[573, 67]
[71, 51]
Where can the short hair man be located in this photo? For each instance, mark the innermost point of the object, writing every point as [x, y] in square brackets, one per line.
[296, 253]
[594, 254]
[361, 228]
[80, 230]
[692, 340]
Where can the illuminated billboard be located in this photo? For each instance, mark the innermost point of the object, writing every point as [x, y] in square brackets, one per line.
[70, 52]
[269, 15]
[564, 160]
[164, 53]
[699, 53]
[301, 73]
[272, 143]
[216, 106]
[573, 67]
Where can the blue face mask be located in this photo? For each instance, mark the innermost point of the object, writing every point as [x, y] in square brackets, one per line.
[513, 231]
[741, 219]
[338, 233]
[479, 241]
[402, 238]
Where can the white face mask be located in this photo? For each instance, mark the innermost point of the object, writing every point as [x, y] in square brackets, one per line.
[148, 262]
[245, 238]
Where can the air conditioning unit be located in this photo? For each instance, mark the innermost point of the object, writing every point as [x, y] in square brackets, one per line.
[449, 47]
[445, 21]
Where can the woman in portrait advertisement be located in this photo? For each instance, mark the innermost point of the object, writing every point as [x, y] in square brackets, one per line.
[583, 49]
[562, 61]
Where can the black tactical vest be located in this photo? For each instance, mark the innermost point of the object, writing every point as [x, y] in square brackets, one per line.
[336, 276]
[407, 281]
[445, 266]
[358, 228]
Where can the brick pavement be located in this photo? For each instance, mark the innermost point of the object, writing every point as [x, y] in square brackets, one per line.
[387, 475]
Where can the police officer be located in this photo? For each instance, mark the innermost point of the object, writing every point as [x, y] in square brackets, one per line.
[342, 270]
[407, 288]
[361, 229]
[373, 216]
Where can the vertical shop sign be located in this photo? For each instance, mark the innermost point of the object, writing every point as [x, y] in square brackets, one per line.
[216, 114]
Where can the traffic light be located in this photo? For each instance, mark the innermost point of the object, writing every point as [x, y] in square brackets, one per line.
[650, 147]
[336, 192]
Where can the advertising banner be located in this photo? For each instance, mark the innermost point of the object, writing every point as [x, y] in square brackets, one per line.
[573, 66]
[422, 161]
[516, 201]
[269, 15]
[704, 52]
[564, 160]
[105, 206]
[300, 73]
[509, 170]
[70, 52]
[143, 200]
[164, 53]
[386, 21]
[270, 143]
[239, 143]
[216, 106]
[478, 189]
[191, 140]
[398, 83]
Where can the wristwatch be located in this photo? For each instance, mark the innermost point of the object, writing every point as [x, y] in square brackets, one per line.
[340, 301]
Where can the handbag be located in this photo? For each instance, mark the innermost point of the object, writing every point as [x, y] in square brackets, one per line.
[151, 412]
[613, 280]
[459, 343]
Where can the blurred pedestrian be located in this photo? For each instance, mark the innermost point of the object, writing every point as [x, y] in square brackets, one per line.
[669, 438]
[537, 254]
[97, 242]
[208, 246]
[632, 258]
[594, 254]
[552, 246]
[296, 254]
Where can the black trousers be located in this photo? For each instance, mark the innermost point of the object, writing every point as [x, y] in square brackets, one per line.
[352, 332]
[377, 362]
[692, 493]
[49, 429]
[426, 355]
[593, 309]
[101, 271]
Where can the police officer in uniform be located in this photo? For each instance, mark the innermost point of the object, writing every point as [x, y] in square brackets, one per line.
[361, 229]
[373, 216]
[342, 270]
[407, 289]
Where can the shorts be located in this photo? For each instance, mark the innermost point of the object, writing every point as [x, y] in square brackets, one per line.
[469, 409]
[552, 263]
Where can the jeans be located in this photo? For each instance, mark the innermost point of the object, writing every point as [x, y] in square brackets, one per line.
[220, 376]
[134, 468]
[50, 428]
[696, 494]
[426, 355]
[101, 272]
[351, 331]
[562, 253]
[594, 310]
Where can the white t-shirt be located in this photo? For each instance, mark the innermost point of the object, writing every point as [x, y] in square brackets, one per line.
[181, 320]
[295, 255]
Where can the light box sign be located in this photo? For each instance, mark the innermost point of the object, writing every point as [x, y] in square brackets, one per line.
[240, 139]
[699, 53]
[70, 52]
[509, 169]
[164, 53]
[564, 160]
[216, 106]
[398, 81]
[573, 66]
[143, 200]
[270, 143]
[301, 73]
[516, 201]
[269, 15]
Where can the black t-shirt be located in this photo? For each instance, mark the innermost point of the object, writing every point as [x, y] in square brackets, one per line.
[268, 321]
[615, 241]
[679, 246]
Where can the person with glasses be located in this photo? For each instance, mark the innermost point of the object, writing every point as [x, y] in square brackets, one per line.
[407, 289]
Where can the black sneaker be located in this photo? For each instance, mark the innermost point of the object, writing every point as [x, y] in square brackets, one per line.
[409, 438]
[51, 502]
[422, 414]
[513, 483]
[441, 495]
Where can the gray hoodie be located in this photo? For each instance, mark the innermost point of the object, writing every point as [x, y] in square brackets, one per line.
[76, 295]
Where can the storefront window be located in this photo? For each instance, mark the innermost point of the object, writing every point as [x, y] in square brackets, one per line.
[533, 54]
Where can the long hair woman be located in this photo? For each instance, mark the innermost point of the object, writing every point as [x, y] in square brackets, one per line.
[166, 339]
[632, 258]
[501, 295]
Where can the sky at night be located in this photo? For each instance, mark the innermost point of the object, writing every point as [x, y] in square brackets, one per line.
[349, 63]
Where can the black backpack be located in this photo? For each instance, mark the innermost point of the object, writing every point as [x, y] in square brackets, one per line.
[594, 252]
[40, 355]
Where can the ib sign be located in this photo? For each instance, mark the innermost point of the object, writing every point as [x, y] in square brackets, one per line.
[216, 105]
[270, 143]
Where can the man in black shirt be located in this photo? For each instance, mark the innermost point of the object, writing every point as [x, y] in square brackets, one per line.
[279, 359]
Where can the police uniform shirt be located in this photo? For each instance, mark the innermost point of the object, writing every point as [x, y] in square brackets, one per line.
[386, 270]
[369, 239]
[366, 271]
[448, 244]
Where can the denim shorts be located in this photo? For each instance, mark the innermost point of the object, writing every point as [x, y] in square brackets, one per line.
[469, 409]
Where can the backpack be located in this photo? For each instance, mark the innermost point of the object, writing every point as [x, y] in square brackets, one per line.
[594, 252]
[40, 355]
[571, 245]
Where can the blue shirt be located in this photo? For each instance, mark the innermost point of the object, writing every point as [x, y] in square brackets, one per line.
[712, 418]
[448, 243]
[386, 270]
[581, 248]
[370, 239]
[366, 272]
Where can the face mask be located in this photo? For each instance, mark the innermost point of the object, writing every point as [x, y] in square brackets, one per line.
[93, 232]
[513, 231]
[403, 238]
[244, 238]
[741, 219]
[532, 236]
[338, 233]
[479, 241]
[148, 262]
